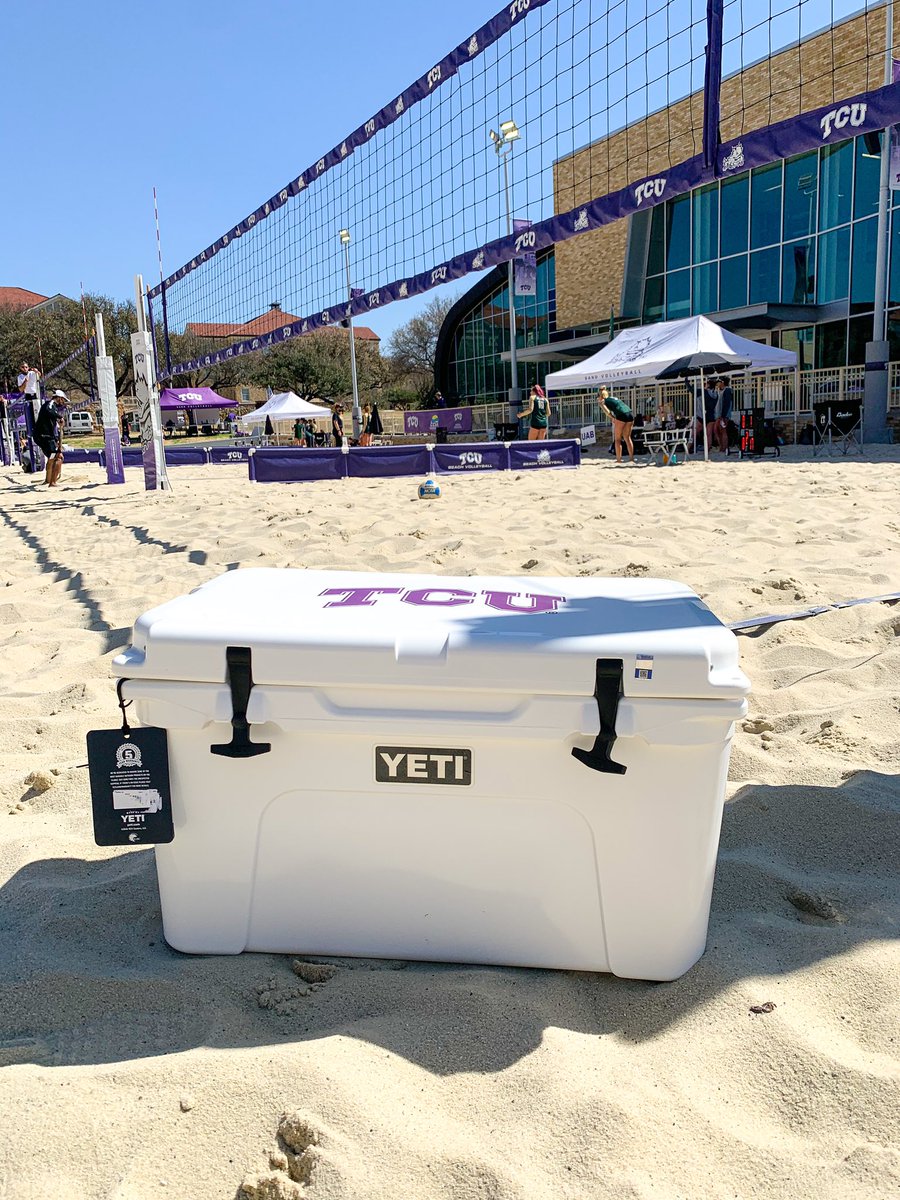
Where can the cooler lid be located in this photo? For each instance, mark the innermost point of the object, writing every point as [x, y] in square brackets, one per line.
[501, 634]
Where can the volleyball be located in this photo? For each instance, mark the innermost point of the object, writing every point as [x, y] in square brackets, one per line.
[429, 490]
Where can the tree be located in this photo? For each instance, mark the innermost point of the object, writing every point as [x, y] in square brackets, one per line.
[318, 364]
[49, 335]
[413, 347]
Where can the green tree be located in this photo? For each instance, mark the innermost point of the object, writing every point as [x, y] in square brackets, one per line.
[318, 364]
[47, 336]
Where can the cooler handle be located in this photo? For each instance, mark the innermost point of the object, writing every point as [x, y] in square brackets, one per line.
[607, 690]
[240, 681]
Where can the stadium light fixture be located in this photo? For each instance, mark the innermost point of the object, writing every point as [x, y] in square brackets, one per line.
[344, 236]
[509, 132]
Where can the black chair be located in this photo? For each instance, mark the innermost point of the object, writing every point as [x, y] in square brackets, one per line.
[440, 435]
[207, 430]
[192, 431]
[837, 424]
[506, 431]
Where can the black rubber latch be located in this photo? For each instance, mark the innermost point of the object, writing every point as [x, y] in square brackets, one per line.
[607, 691]
[240, 681]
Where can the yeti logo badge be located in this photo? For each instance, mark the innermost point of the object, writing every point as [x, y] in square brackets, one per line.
[423, 765]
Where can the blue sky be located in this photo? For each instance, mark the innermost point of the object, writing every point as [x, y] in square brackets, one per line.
[215, 103]
[219, 104]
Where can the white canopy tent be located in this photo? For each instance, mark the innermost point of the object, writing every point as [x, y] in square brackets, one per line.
[692, 346]
[285, 406]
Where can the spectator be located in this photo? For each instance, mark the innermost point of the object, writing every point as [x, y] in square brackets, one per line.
[710, 400]
[48, 435]
[622, 422]
[365, 426]
[439, 401]
[299, 432]
[30, 384]
[337, 425]
[725, 398]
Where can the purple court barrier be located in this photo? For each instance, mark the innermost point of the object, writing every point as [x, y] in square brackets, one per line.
[229, 454]
[176, 456]
[460, 459]
[527, 455]
[373, 461]
[291, 466]
[80, 455]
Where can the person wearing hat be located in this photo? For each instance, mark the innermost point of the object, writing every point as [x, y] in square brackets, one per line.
[48, 434]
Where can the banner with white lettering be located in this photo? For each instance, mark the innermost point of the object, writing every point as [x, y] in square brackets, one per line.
[106, 386]
[525, 265]
[155, 477]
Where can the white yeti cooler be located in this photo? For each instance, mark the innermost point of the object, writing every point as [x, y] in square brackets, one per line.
[498, 770]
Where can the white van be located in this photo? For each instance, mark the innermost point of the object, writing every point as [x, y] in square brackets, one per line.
[79, 422]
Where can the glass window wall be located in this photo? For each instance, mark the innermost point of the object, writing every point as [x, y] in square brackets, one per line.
[733, 282]
[735, 205]
[835, 185]
[765, 206]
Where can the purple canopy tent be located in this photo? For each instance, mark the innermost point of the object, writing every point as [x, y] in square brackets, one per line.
[200, 397]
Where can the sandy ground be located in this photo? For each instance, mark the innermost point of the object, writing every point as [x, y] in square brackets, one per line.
[130, 1071]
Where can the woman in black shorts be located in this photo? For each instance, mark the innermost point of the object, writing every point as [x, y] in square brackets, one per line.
[622, 420]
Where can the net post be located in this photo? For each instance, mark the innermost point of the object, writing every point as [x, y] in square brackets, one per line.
[152, 450]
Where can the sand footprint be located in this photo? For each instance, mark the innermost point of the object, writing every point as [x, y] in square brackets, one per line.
[292, 1165]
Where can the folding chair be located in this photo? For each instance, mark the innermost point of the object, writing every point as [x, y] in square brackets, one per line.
[837, 426]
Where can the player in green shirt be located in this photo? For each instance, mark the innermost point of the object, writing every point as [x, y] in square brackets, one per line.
[622, 420]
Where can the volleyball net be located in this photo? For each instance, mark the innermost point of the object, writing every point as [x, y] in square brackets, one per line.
[600, 108]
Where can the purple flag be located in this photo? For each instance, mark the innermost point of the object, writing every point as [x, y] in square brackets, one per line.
[525, 266]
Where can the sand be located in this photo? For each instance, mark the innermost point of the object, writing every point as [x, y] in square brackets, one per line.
[130, 1071]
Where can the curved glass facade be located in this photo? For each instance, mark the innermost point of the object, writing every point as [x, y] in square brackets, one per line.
[476, 373]
[797, 232]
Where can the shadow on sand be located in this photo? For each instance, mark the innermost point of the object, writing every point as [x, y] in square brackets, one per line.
[89, 979]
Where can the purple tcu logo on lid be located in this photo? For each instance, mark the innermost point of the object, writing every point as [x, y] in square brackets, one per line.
[445, 597]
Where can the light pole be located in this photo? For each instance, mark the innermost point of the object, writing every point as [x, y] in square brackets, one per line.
[509, 132]
[344, 235]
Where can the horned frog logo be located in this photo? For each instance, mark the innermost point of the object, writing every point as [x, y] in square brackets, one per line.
[633, 352]
[128, 755]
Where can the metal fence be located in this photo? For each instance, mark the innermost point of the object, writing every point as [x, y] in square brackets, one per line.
[775, 391]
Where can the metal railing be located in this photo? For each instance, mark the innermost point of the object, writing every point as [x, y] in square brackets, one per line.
[775, 391]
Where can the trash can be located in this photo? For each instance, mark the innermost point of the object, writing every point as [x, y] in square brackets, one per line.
[518, 771]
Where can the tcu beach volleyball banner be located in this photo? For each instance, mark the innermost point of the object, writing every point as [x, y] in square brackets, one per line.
[295, 465]
[863, 113]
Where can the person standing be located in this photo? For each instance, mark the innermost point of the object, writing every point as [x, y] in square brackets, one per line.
[299, 432]
[710, 404]
[538, 410]
[29, 381]
[725, 398]
[622, 422]
[48, 435]
[365, 437]
[337, 425]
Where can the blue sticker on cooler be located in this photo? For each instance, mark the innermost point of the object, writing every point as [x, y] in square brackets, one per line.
[643, 666]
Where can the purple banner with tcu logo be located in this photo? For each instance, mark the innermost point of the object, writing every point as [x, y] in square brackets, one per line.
[454, 420]
[511, 13]
[831, 123]
[296, 466]
[226, 454]
[461, 458]
[527, 455]
[373, 461]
